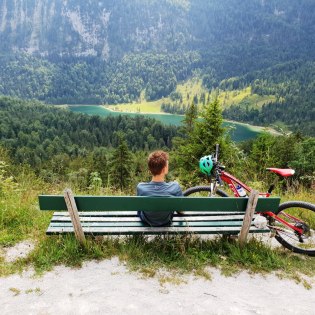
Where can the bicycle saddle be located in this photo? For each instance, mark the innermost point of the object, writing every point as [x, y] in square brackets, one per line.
[285, 172]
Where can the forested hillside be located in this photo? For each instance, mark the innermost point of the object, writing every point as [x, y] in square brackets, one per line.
[293, 85]
[60, 146]
[50, 139]
[113, 51]
[90, 80]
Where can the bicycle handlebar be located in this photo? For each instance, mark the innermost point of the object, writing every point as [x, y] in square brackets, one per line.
[217, 167]
[216, 152]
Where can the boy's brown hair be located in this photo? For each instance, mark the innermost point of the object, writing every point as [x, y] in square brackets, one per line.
[157, 160]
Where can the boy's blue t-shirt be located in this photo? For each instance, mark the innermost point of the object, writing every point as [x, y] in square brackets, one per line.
[158, 189]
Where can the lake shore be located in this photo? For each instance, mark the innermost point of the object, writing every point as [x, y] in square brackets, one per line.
[239, 131]
[109, 107]
[253, 127]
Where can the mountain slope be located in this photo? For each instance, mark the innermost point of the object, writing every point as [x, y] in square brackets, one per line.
[109, 29]
[79, 51]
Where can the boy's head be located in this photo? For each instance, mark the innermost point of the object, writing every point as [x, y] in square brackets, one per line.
[157, 161]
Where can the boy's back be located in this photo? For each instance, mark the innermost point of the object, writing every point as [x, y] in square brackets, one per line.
[158, 189]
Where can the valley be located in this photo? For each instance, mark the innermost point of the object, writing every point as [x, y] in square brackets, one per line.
[238, 131]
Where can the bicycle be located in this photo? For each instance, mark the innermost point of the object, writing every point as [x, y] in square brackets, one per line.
[293, 224]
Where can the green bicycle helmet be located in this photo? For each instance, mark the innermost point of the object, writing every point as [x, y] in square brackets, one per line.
[206, 164]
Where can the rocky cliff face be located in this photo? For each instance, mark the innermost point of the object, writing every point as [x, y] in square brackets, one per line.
[54, 26]
[112, 28]
[89, 28]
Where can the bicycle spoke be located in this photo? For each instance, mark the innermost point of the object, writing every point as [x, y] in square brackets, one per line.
[302, 216]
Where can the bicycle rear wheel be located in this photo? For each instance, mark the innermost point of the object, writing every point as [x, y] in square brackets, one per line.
[300, 214]
[203, 191]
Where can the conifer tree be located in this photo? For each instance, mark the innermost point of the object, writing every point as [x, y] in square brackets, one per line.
[209, 130]
[190, 119]
[261, 155]
[99, 162]
[121, 164]
[200, 139]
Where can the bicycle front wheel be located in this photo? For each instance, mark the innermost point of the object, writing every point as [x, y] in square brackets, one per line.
[299, 214]
[203, 191]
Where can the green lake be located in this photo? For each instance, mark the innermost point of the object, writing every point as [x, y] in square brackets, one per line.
[238, 131]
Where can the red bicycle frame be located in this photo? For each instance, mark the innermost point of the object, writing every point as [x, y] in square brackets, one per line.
[232, 182]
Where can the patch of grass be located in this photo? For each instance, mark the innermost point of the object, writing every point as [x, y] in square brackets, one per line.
[174, 254]
[144, 106]
[203, 273]
[8, 268]
[21, 219]
[15, 291]
[36, 291]
[298, 194]
[242, 97]
[172, 279]
[189, 89]
[148, 272]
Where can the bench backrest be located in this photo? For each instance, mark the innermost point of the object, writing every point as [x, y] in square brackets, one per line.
[135, 203]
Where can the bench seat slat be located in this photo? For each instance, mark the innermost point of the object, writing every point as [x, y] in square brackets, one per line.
[140, 224]
[153, 230]
[134, 213]
[57, 218]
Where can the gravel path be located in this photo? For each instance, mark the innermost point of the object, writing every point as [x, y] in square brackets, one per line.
[107, 287]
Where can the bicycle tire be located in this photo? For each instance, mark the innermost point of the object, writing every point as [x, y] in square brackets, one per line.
[197, 189]
[305, 212]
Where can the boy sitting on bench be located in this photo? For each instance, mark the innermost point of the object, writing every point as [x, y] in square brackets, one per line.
[158, 166]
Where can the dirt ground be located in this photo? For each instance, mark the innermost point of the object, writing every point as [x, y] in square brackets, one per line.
[108, 287]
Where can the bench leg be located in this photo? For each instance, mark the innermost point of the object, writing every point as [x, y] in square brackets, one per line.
[247, 221]
[74, 215]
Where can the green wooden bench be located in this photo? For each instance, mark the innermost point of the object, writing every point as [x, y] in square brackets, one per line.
[116, 215]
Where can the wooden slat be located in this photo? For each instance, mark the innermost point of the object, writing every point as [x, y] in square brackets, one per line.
[57, 218]
[134, 203]
[193, 213]
[134, 213]
[248, 217]
[154, 230]
[100, 213]
[140, 224]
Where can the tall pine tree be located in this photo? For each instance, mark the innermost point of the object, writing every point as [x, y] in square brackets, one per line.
[190, 119]
[208, 131]
[199, 140]
[121, 164]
